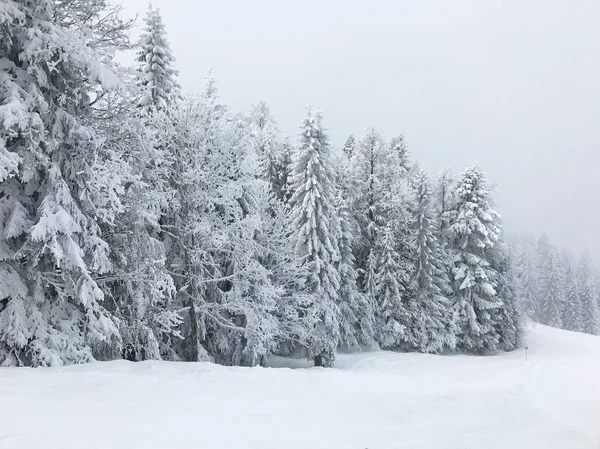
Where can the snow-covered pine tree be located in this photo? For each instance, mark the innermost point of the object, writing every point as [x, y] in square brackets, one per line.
[370, 281]
[507, 318]
[357, 309]
[473, 232]
[157, 76]
[390, 282]
[368, 168]
[317, 232]
[430, 309]
[288, 276]
[572, 312]
[265, 142]
[527, 277]
[443, 195]
[349, 147]
[286, 164]
[552, 288]
[399, 150]
[58, 183]
[590, 322]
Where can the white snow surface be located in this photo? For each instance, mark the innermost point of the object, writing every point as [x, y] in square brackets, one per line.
[378, 400]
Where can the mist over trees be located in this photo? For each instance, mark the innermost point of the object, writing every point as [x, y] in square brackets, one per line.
[141, 222]
[556, 288]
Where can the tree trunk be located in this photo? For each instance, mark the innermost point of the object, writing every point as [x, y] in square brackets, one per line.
[194, 337]
[319, 360]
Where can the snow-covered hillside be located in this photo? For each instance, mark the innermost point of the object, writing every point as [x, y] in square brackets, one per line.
[378, 400]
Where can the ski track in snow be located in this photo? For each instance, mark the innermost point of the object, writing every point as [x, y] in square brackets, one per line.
[379, 400]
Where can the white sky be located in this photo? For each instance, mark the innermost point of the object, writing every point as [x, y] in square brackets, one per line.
[514, 84]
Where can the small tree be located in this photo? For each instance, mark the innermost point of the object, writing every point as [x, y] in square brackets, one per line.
[157, 77]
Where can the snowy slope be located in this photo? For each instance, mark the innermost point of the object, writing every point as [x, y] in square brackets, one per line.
[377, 401]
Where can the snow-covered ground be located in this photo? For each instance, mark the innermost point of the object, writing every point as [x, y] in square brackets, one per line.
[378, 400]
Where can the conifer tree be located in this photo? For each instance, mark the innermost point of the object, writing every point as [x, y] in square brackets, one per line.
[399, 150]
[286, 164]
[349, 147]
[357, 312]
[317, 233]
[507, 318]
[590, 322]
[58, 184]
[390, 289]
[443, 202]
[473, 232]
[572, 313]
[157, 77]
[430, 309]
[552, 289]
[266, 146]
[527, 277]
[369, 170]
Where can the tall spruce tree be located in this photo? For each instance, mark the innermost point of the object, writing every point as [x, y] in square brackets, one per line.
[59, 183]
[369, 171]
[431, 325]
[552, 288]
[473, 232]
[572, 312]
[527, 278]
[317, 234]
[394, 318]
[590, 322]
[507, 318]
[357, 309]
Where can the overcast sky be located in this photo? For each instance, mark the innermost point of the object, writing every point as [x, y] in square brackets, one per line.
[513, 84]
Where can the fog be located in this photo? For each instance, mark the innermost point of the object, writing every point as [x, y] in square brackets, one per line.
[514, 85]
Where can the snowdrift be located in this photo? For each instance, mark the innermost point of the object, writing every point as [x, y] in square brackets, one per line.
[380, 400]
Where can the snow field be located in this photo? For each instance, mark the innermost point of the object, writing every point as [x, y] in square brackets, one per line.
[379, 400]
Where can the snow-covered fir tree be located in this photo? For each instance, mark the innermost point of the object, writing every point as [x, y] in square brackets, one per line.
[349, 147]
[590, 317]
[267, 148]
[283, 190]
[390, 286]
[572, 311]
[317, 233]
[552, 288]
[399, 151]
[357, 309]
[507, 317]
[443, 195]
[527, 277]
[473, 232]
[431, 324]
[59, 184]
[368, 171]
[157, 77]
